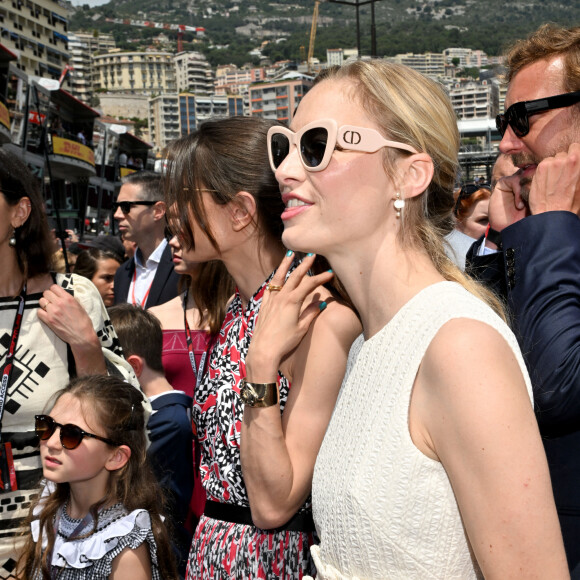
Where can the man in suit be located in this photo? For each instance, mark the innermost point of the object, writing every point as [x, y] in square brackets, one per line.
[148, 278]
[537, 267]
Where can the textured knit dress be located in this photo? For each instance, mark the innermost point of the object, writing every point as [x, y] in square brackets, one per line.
[223, 549]
[383, 509]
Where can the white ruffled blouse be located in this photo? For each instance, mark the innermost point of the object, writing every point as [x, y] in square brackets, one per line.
[91, 557]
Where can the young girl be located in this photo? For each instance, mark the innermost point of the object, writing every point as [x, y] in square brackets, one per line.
[98, 516]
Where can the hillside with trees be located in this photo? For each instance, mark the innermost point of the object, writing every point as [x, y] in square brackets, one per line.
[282, 29]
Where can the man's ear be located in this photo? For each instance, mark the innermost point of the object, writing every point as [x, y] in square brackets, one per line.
[416, 173]
[137, 363]
[20, 212]
[243, 210]
[118, 458]
[159, 210]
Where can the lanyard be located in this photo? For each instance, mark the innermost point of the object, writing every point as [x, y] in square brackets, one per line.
[197, 372]
[9, 363]
[133, 299]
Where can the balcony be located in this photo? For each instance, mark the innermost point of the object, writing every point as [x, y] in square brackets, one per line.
[71, 159]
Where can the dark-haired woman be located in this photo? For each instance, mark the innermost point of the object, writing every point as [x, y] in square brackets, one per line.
[47, 335]
[225, 205]
[99, 266]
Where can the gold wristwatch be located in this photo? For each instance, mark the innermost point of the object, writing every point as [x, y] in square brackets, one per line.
[259, 394]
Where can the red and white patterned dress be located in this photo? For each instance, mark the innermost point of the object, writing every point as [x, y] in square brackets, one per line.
[223, 549]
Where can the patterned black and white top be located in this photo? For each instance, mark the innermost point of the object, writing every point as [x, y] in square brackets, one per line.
[91, 557]
[40, 369]
[223, 549]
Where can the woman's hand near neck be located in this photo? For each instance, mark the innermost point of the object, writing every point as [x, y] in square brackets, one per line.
[251, 262]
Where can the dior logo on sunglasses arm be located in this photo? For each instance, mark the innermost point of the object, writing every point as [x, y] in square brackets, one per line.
[518, 115]
[317, 141]
[71, 436]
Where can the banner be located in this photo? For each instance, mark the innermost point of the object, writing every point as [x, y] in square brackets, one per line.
[73, 149]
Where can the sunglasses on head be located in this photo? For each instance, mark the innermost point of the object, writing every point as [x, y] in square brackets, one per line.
[518, 115]
[317, 141]
[70, 435]
[127, 205]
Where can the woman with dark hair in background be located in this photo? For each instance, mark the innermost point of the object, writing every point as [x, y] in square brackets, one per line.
[47, 336]
[99, 266]
[225, 205]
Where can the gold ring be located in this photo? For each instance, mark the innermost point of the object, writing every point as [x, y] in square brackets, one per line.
[274, 287]
[45, 305]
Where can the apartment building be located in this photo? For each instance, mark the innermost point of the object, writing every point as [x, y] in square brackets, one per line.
[230, 80]
[431, 64]
[135, 72]
[164, 119]
[471, 99]
[278, 100]
[37, 31]
[467, 57]
[82, 47]
[174, 115]
[498, 91]
[193, 73]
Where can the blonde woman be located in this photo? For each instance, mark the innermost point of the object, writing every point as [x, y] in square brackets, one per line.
[432, 465]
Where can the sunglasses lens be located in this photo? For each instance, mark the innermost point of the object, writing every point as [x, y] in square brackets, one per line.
[501, 124]
[70, 436]
[313, 146]
[44, 427]
[519, 121]
[280, 147]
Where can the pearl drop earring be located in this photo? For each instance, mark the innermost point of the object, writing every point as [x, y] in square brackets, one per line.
[399, 204]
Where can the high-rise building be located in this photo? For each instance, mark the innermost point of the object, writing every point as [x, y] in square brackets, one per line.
[193, 73]
[164, 119]
[135, 72]
[83, 46]
[37, 30]
[278, 100]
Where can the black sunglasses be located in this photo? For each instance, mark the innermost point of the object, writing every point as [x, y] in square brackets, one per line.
[517, 116]
[467, 191]
[127, 205]
[70, 435]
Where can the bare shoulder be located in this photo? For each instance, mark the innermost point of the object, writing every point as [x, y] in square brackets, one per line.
[469, 361]
[169, 314]
[135, 564]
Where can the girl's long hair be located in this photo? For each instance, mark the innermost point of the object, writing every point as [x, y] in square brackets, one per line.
[117, 408]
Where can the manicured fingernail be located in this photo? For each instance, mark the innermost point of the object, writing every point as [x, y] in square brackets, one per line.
[309, 255]
[289, 253]
[322, 306]
[330, 270]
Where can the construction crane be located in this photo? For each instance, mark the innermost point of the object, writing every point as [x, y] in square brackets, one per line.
[312, 35]
[181, 28]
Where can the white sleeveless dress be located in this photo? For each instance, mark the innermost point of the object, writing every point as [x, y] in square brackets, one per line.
[383, 509]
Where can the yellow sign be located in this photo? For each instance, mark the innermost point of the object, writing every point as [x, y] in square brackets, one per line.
[4, 116]
[73, 149]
